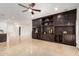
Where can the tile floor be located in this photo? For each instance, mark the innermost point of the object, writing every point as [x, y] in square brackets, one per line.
[53, 49]
[38, 48]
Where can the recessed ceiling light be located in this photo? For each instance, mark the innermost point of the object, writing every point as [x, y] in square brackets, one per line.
[56, 9]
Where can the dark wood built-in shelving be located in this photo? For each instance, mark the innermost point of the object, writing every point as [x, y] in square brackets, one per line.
[3, 37]
[56, 28]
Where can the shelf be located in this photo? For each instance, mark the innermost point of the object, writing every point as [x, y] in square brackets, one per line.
[47, 21]
[58, 25]
[56, 29]
[64, 25]
[46, 25]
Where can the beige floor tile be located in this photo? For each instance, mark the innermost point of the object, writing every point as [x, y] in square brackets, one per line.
[33, 47]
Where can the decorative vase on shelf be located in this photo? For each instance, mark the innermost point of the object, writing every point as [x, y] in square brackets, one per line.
[64, 32]
[68, 23]
[36, 31]
[51, 30]
[46, 23]
[47, 19]
[44, 32]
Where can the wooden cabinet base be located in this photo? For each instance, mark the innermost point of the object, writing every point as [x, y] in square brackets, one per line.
[3, 38]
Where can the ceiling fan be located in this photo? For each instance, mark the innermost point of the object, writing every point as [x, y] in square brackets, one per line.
[30, 8]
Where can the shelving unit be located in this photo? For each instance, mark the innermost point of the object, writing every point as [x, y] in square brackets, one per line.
[3, 37]
[56, 28]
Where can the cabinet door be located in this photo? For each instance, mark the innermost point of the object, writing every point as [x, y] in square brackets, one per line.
[34, 34]
[44, 36]
[39, 32]
[58, 38]
[52, 37]
[69, 39]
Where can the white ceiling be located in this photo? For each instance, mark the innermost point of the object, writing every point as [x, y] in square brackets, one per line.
[13, 12]
[49, 8]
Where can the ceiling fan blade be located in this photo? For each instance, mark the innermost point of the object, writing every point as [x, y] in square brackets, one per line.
[36, 10]
[24, 10]
[22, 5]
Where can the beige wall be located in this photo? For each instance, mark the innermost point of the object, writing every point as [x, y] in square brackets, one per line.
[77, 28]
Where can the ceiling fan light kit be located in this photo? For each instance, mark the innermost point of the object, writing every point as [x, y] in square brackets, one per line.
[30, 10]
